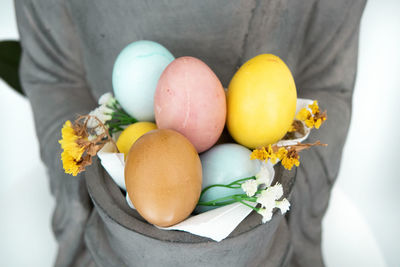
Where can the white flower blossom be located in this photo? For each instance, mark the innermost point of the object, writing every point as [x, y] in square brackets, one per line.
[283, 205]
[263, 176]
[92, 122]
[276, 191]
[99, 131]
[266, 214]
[106, 99]
[250, 187]
[269, 200]
[266, 199]
[103, 113]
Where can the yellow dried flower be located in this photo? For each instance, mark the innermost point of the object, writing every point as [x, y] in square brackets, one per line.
[317, 123]
[271, 155]
[314, 107]
[69, 164]
[303, 115]
[282, 152]
[288, 163]
[289, 155]
[290, 159]
[312, 119]
[259, 153]
[264, 154]
[72, 154]
[309, 122]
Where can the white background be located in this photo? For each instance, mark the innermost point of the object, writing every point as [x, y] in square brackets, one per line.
[361, 227]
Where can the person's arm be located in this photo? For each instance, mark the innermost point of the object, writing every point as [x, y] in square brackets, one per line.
[53, 77]
[326, 72]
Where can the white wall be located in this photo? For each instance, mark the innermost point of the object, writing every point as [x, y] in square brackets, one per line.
[370, 171]
[25, 201]
[361, 226]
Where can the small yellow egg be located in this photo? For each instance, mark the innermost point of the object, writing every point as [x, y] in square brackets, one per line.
[261, 101]
[129, 136]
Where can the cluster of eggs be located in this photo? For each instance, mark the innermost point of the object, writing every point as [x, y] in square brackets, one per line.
[164, 173]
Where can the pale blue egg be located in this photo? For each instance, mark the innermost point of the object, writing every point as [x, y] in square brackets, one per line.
[224, 164]
[136, 72]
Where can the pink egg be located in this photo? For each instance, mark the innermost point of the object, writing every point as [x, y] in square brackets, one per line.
[190, 99]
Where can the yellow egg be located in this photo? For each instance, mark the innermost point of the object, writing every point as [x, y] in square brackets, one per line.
[129, 136]
[261, 101]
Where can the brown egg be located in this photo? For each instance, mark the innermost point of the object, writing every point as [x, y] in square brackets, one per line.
[163, 177]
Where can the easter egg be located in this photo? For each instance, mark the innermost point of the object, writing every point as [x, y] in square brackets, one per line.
[135, 75]
[224, 164]
[163, 177]
[190, 99]
[132, 133]
[261, 101]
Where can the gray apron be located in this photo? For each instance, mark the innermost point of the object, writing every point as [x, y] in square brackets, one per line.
[119, 232]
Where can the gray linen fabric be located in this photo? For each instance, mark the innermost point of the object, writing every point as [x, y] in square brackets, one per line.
[117, 236]
[69, 48]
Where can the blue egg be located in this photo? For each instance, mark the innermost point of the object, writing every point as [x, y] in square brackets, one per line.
[136, 72]
[224, 164]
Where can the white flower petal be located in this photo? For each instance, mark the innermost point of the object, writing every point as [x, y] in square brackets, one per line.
[266, 199]
[264, 175]
[250, 187]
[275, 190]
[266, 214]
[283, 205]
[108, 110]
[92, 122]
[105, 98]
[102, 113]
[104, 109]
[99, 130]
[104, 117]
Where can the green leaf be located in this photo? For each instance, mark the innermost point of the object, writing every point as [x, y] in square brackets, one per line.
[10, 55]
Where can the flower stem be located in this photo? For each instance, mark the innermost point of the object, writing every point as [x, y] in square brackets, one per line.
[241, 180]
[234, 185]
[123, 118]
[250, 206]
[220, 204]
[215, 202]
[118, 118]
[217, 185]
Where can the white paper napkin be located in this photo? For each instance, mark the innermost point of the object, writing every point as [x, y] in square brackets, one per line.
[114, 163]
[216, 224]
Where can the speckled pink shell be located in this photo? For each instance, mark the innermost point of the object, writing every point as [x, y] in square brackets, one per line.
[190, 99]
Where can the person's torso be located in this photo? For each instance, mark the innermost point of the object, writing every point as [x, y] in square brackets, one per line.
[224, 34]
